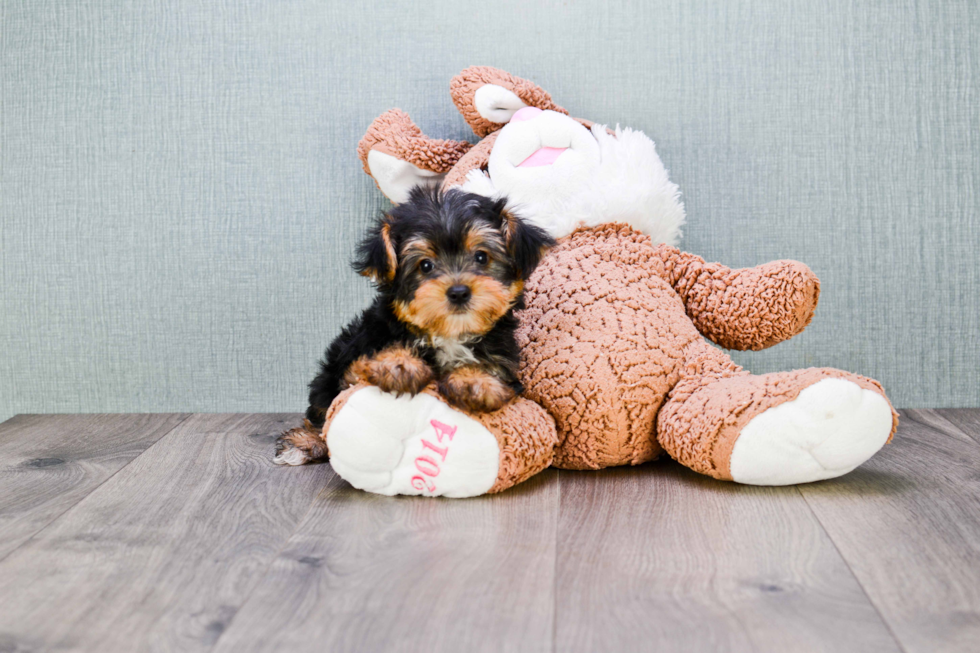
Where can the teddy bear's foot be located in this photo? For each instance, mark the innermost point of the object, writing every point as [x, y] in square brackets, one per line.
[410, 445]
[830, 428]
[421, 445]
[774, 429]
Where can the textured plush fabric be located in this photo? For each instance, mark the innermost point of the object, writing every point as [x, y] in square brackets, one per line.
[463, 87]
[393, 132]
[624, 308]
[714, 399]
[475, 159]
[527, 438]
[600, 345]
[525, 435]
[179, 193]
[751, 308]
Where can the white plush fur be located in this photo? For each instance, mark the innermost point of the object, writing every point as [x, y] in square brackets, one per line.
[376, 438]
[396, 177]
[496, 103]
[829, 429]
[600, 178]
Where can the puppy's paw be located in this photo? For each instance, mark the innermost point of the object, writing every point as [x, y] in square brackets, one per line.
[473, 389]
[396, 370]
[300, 445]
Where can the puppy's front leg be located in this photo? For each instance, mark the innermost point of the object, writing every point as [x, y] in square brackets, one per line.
[474, 389]
[395, 369]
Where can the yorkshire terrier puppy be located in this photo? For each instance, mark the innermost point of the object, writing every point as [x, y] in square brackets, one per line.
[450, 271]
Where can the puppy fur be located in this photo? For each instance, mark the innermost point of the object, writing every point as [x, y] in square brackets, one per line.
[449, 270]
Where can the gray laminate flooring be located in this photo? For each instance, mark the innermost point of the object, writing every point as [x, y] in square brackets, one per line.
[176, 533]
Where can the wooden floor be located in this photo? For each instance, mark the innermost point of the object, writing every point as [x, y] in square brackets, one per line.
[176, 533]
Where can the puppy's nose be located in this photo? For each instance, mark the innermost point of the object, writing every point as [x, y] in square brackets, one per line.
[459, 294]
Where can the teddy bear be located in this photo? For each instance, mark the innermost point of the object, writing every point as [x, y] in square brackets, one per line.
[622, 333]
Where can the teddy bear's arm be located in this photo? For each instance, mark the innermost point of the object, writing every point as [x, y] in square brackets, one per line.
[747, 308]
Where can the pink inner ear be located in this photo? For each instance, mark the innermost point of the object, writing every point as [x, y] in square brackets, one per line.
[543, 157]
[525, 114]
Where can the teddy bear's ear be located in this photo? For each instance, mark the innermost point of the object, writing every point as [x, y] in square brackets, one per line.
[396, 153]
[488, 97]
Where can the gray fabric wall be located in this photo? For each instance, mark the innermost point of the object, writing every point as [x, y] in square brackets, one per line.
[180, 192]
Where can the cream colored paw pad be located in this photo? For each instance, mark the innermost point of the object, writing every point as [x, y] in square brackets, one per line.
[829, 429]
[411, 445]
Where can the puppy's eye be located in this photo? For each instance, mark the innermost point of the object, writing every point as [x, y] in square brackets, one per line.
[481, 257]
[426, 266]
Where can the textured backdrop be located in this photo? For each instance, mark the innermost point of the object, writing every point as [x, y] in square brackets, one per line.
[180, 192]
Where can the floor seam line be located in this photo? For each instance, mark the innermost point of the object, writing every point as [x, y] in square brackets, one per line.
[554, 573]
[850, 569]
[966, 438]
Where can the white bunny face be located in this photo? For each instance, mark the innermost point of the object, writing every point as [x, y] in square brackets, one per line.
[561, 176]
[555, 170]
[541, 154]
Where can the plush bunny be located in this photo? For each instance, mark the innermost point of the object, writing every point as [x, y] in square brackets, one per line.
[615, 364]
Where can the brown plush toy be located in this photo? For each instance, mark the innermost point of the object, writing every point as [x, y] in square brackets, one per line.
[614, 358]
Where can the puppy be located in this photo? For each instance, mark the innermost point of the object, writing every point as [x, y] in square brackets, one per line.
[450, 271]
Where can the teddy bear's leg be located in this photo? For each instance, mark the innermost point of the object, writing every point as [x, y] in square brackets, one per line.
[773, 429]
[420, 445]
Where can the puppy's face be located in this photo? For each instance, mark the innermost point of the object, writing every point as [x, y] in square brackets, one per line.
[453, 264]
[456, 279]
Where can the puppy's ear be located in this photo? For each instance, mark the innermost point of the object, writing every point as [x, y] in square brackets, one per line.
[526, 243]
[376, 255]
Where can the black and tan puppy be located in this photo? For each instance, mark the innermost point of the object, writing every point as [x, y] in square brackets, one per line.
[450, 271]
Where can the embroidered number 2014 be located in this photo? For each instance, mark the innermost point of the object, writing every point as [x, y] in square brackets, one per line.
[427, 463]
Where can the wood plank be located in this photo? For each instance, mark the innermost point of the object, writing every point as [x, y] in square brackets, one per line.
[908, 523]
[967, 420]
[161, 556]
[660, 558]
[372, 573]
[953, 423]
[48, 463]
